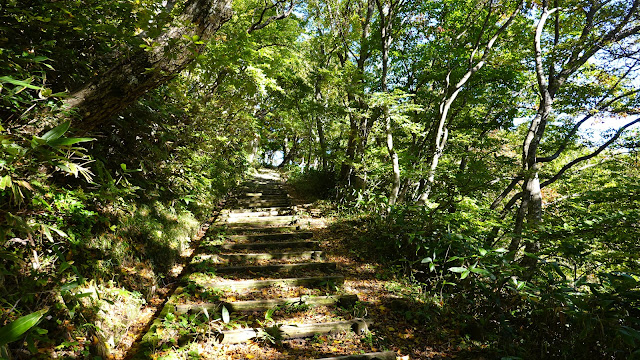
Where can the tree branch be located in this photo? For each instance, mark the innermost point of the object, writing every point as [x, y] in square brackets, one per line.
[575, 128]
[587, 157]
[261, 23]
[506, 192]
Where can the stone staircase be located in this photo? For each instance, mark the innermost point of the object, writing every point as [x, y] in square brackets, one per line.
[264, 263]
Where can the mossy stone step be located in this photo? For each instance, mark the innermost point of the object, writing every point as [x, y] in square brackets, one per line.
[258, 204]
[270, 245]
[263, 305]
[261, 230]
[385, 355]
[262, 284]
[274, 211]
[293, 331]
[271, 237]
[264, 209]
[301, 255]
[324, 266]
[257, 221]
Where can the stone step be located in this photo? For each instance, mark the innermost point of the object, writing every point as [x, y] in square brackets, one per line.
[261, 230]
[385, 355]
[271, 245]
[256, 204]
[296, 255]
[257, 212]
[261, 284]
[275, 198]
[262, 182]
[262, 189]
[283, 332]
[271, 237]
[253, 192]
[263, 305]
[259, 221]
[263, 195]
[324, 266]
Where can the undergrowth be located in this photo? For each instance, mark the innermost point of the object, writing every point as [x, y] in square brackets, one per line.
[93, 232]
[467, 281]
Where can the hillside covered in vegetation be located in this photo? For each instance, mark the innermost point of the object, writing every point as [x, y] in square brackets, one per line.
[483, 152]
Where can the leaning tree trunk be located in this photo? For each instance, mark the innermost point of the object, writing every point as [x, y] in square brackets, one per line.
[146, 69]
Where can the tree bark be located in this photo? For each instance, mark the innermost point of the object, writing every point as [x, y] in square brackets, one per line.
[320, 127]
[145, 69]
[531, 203]
[386, 37]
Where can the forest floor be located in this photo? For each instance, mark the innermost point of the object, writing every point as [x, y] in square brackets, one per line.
[403, 320]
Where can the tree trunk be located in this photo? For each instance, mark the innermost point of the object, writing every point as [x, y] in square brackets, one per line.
[291, 154]
[359, 127]
[386, 19]
[439, 138]
[146, 69]
[320, 127]
[531, 203]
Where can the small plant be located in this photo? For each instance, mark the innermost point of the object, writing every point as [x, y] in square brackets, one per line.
[360, 309]
[271, 333]
[15, 329]
[293, 307]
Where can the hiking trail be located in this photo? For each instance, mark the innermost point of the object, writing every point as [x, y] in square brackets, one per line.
[259, 286]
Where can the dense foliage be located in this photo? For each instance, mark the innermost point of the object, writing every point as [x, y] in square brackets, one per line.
[486, 148]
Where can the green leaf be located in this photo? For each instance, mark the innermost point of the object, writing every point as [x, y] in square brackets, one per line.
[557, 269]
[68, 141]
[10, 80]
[5, 182]
[268, 315]
[47, 233]
[465, 274]
[56, 132]
[14, 330]
[225, 315]
[87, 294]
[457, 269]
[481, 272]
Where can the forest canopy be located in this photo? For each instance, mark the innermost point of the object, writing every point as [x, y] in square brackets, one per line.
[487, 150]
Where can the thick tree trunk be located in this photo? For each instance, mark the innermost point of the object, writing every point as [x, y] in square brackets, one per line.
[146, 69]
[288, 156]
